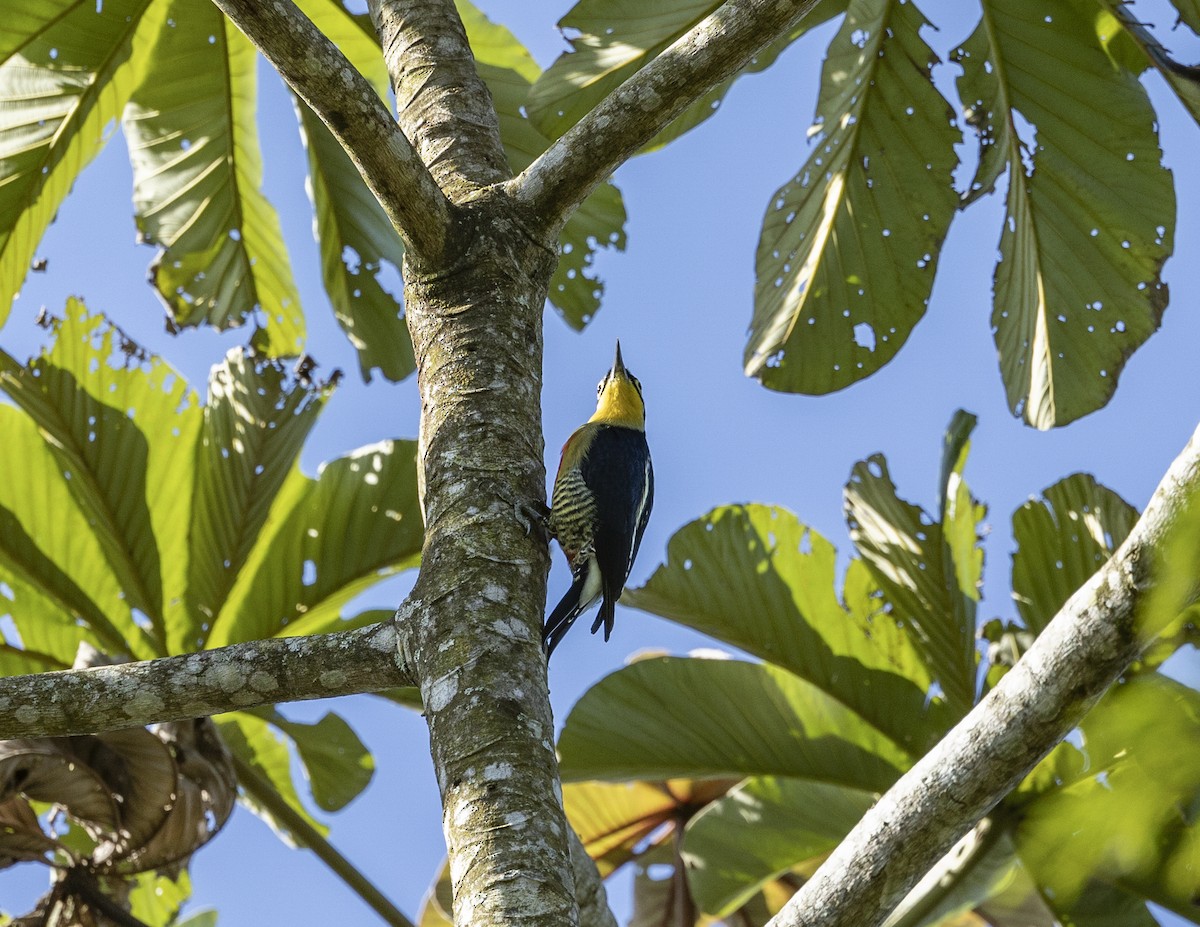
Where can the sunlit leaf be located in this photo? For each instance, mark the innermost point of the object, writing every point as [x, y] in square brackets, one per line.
[761, 829]
[156, 898]
[1130, 818]
[255, 421]
[122, 430]
[613, 818]
[326, 540]
[756, 577]
[1062, 539]
[1091, 209]
[670, 718]
[849, 246]
[197, 169]
[438, 905]
[910, 558]
[66, 81]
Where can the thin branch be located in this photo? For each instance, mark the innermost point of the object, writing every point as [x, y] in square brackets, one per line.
[1090, 642]
[306, 835]
[195, 685]
[717, 48]
[441, 102]
[320, 74]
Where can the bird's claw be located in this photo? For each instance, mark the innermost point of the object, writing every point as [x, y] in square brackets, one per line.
[533, 515]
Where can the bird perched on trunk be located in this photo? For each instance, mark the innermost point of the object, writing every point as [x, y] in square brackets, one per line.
[601, 502]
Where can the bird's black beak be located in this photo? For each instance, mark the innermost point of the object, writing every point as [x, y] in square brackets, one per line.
[618, 365]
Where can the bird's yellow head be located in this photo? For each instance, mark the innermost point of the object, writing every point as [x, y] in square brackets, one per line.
[619, 398]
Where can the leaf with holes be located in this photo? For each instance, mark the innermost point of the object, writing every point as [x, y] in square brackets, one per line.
[669, 718]
[756, 577]
[122, 434]
[197, 169]
[849, 246]
[1062, 539]
[325, 540]
[255, 422]
[70, 69]
[929, 570]
[1091, 209]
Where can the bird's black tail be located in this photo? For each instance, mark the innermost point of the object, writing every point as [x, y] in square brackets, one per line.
[559, 621]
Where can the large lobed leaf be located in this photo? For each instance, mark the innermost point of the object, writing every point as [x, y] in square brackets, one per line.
[669, 718]
[1062, 539]
[197, 169]
[929, 569]
[849, 246]
[1090, 211]
[70, 70]
[757, 578]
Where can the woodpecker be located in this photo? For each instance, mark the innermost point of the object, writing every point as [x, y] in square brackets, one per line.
[601, 502]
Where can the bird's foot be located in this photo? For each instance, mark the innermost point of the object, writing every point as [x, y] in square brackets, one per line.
[534, 515]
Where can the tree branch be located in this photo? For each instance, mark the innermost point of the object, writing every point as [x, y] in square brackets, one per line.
[205, 683]
[1091, 640]
[719, 46]
[441, 102]
[319, 73]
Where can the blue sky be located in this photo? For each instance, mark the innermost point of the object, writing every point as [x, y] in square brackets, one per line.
[679, 299]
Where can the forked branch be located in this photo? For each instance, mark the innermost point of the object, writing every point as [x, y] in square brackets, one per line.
[315, 68]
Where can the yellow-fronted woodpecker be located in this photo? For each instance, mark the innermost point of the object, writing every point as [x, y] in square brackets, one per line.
[601, 503]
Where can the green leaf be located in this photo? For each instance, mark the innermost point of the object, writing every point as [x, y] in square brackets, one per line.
[197, 168]
[125, 434]
[255, 422]
[848, 248]
[1062, 539]
[614, 818]
[1189, 13]
[356, 238]
[616, 39]
[205, 918]
[324, 541]
[339, 766]
[71, 71]
[156, 898]
[762, 829]
[62, 588]
[509, 71]
[24, 23]
[670, 717]
[1091, 210]
[1131, 818]
[911, 557]
[756, 577]
[253, 742]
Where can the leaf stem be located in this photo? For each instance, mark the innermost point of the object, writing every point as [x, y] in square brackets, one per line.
[308, 836]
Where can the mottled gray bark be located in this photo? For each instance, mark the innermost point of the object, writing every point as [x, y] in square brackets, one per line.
[1092, 639]
[481, 251]
[554, 185]
[346, 102]
[106, 698]
[441, 102]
